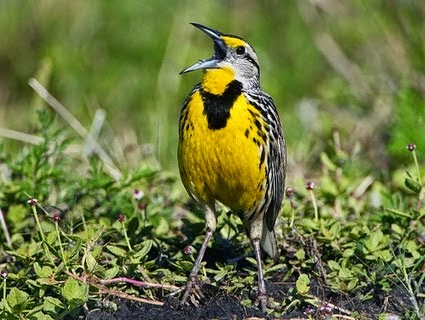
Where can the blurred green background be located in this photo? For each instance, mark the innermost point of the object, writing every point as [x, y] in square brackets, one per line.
[358, 66]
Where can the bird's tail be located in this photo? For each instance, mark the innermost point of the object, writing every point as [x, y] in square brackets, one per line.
[268, 242]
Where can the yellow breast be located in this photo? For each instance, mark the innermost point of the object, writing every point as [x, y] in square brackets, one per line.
[227, 164]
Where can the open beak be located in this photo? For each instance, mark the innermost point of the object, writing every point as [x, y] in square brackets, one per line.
[219, 51]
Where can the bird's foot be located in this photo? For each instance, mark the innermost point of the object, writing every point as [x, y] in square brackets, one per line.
[266, 303]
[192, 291]
[262, 300]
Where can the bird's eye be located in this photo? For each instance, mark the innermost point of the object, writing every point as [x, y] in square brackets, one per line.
[240, 50]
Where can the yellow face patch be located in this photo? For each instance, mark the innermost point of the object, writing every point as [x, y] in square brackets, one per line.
[215, 81]
[233, 42]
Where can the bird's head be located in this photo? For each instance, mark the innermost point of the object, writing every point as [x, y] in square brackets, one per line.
[231, 54]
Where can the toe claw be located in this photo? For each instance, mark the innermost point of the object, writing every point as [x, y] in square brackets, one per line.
[193, 290]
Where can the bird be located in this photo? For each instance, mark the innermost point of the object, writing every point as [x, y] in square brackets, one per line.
[232, 150]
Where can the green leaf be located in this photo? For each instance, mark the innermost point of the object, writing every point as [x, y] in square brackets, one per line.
[34, 248]
[146, 247]
[374, 241]
[53, 305]
[51, 237]
[17, 240]
[344, 273]
[397, 229]
[413, 185]
[347, 253]
[398, 212]
[300, 254]
[179, 279]
[42, 272]
[96, 251]
[324, 158]
[16, 214]
[328, 186]
[40, 316]
[413, 248]
[37, 269]
[74, 292]
[220, 275]
[277, 267]
[48, 281]
[73, 251]
[17, 299]
[310, 224]
[163, 227]
[328, 235]
[112, 272]
[185, 265]
[385, 255]
[303, 284]
[90, 261]
[117, 251]
[352, 284]
[334, 265]
[251, 260]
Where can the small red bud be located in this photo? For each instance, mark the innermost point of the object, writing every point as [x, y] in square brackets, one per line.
[289, 192]
[4, 273]
[32, 201]
[411, 146]
[326, 309]
[138, 194]
[56, 217]
[188, 250]
[308, 311]
[121, 217]
[309, 185]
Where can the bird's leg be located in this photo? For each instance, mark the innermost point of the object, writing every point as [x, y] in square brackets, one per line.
[193, 274]
[261, 294]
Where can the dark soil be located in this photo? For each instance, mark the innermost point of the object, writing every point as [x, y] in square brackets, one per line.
[217, 305]
[222, 307]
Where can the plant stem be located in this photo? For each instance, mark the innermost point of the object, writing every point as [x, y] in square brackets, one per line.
[37, 221]
[415, 158]
[126, 237]
[60, 243]
[291, 223]
[313, 200]
[43, 238]
[4, 289]
[418, 172]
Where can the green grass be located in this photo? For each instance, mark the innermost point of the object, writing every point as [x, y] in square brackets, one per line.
[348, 80]
[76, 232]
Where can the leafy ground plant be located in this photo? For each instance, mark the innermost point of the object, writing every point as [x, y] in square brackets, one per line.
[79, 241]
[67, 230]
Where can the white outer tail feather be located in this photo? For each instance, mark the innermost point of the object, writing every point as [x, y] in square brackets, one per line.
[268, 242]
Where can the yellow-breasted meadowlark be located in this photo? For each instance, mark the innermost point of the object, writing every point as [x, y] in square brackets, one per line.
[231, 147]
